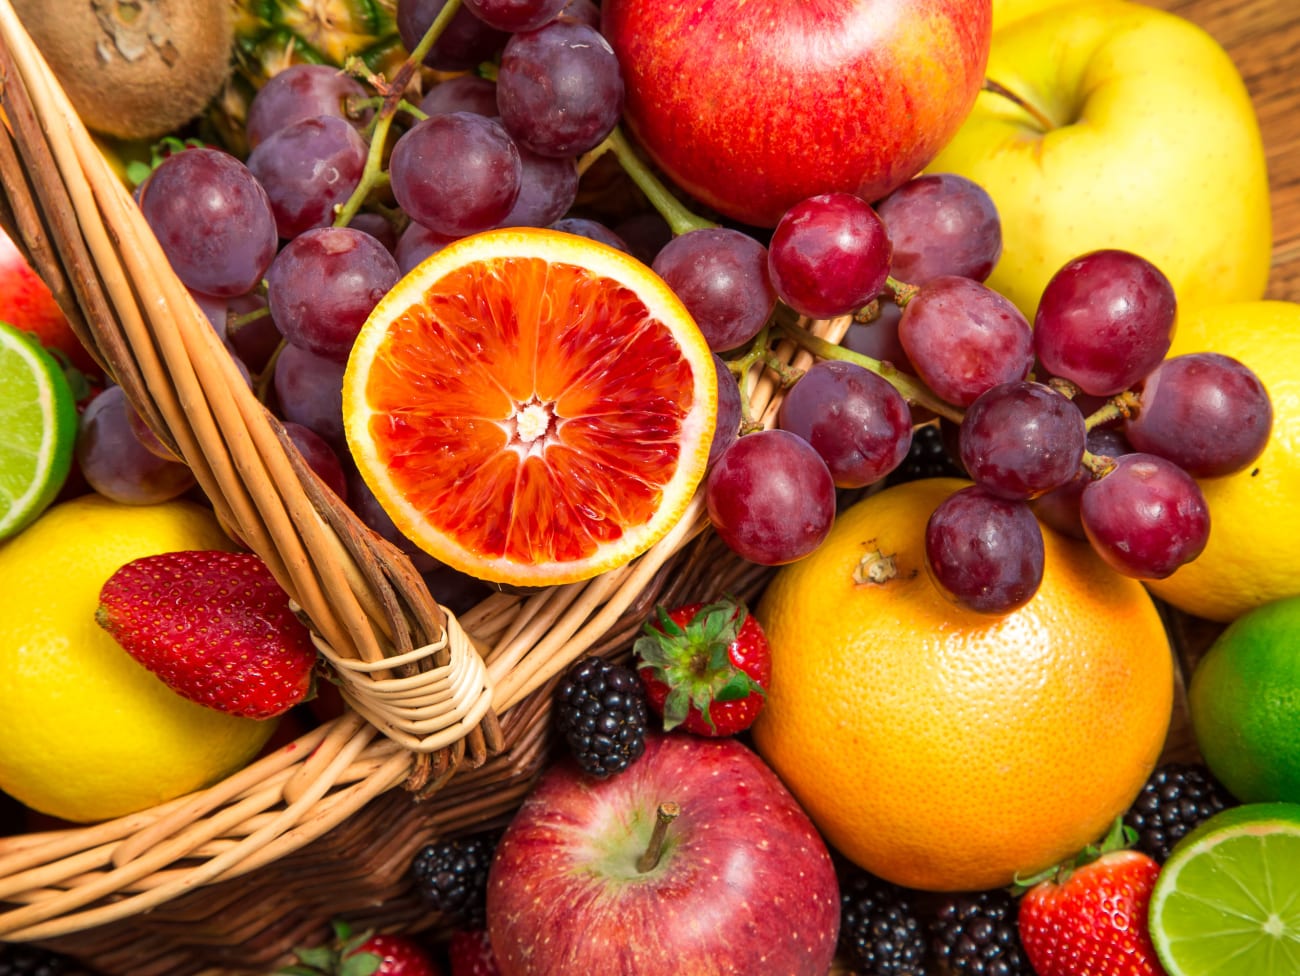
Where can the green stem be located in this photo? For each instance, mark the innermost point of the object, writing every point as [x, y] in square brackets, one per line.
[1122, 406]
[373, 175]
[900, 292]
[679, 219]
[912, 390]
[741, 367]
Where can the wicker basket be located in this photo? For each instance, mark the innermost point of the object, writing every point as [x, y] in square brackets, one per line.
[446, 723]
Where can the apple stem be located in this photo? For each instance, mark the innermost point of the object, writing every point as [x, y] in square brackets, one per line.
[679, 219]
[666, 814]
[992, 86]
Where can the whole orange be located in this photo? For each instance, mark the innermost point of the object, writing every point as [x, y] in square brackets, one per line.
[947, 750]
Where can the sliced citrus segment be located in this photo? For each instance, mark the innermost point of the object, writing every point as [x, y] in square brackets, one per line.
[38, 428]
[1226, 901]
[531, 407]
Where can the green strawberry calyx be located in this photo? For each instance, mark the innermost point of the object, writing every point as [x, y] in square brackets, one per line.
[694, 661]
[1120, 837]
[344, 957]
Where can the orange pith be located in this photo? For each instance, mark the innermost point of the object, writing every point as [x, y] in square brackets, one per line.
[531, 408]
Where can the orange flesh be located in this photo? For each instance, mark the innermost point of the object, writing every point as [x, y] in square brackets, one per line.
[536, 384]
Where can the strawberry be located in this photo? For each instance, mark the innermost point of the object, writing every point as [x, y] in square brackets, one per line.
[365, 954]
[1090, 916]
[705, 667]
[215, 627]
[470, 954]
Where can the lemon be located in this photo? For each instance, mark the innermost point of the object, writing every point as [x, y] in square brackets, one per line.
[1250, 559]
[86, 733]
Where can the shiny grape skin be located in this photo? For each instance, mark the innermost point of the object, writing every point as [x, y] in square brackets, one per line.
[1059, 508]
[300, 91]
[829, 255]
[859, 424]
[983, 552]
[116, 463]
[309, 392]
[942, 223]
[1104, 321]
[548, 187]
[465, 43]
[1145, 517]
[770, 497]
[1206, 412]
[213, 220]
[307, 169]
[1022, 439]
[727, 426]
[963, 338]
[457, 173]
[516, 15]
[323, 285]
[720, 274]
[559, 88]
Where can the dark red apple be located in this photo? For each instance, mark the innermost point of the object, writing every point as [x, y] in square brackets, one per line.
[753, 105]
[743, 884]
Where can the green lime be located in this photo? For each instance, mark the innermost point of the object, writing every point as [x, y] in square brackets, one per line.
[1244, 704]
[38, 428]
[1226, 901]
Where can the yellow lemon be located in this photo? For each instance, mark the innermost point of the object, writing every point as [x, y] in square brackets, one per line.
[86, 733]
[1251, 558]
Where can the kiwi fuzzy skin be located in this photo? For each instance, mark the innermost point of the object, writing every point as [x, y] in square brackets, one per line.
[134, 69]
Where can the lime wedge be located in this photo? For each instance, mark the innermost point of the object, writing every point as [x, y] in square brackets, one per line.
[38, 428]
[1228, 899]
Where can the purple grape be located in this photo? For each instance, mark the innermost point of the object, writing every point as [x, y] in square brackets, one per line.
[730, 412]
[941, 224]
[251, 333]
[646, 234]
[859, 424]
[213, 220]
[1022, 439]
[307, 169]
[457, 173]
[416, 243]
[1104, 321]
[309, 392]
[1145, 517]
[465, 43]
[548, 186]
[582, 12]
[323, 285]
[516, 15]
[1059, 508]
[377, 226]
[559, 88]
[963, 338]
[300, 91]
[879, 338]
[592, 229]
[983, 552]
[829, 255]
[770, 497]
[1206, 412]
[462, 93]
[115, 460]
[320, 457]
[721, 277]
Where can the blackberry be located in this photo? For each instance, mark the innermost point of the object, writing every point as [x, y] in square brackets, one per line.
[18, 959]
[601, 711]
[879, 931]
[928, 457]
[452, 877]
[1176, 798]
[975, 934]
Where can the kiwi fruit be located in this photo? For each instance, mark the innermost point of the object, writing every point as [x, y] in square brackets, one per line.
[134, 69]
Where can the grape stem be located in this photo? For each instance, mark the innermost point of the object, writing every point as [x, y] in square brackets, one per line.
[679, 219]
[373, 175]
[741, 367]
[913, 391]
[1122, 406]
[900, 292]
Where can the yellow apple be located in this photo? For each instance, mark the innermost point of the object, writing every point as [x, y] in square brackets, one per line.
[1006, 11]
[1135, 130]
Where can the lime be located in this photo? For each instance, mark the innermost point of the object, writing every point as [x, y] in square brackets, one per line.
[1244, 704]
[1226, 900]
[38, 428]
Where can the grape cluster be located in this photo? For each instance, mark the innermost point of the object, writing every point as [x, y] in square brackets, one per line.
[1078, 419]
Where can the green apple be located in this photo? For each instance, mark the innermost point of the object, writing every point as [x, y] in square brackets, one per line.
[1126, 126]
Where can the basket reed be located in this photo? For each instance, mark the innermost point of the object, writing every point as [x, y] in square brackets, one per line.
[447, 718]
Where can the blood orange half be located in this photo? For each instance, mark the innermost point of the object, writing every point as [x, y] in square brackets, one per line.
[531, 407]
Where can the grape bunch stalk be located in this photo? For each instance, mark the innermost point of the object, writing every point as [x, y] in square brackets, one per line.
[1077, 420]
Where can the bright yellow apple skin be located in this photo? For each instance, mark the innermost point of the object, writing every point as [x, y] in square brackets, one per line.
[1006, 11]
[1154, 147]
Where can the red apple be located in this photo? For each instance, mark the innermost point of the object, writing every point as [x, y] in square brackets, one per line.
[26, 303]
[753, 105]
[743, 883]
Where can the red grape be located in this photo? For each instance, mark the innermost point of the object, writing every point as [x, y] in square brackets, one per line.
[116, 462]
[721, 277]
[308, 168]
[1021, 439]
[299, 91]
[941, 224]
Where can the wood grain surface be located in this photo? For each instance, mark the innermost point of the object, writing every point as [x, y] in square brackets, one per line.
[1263, 38]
